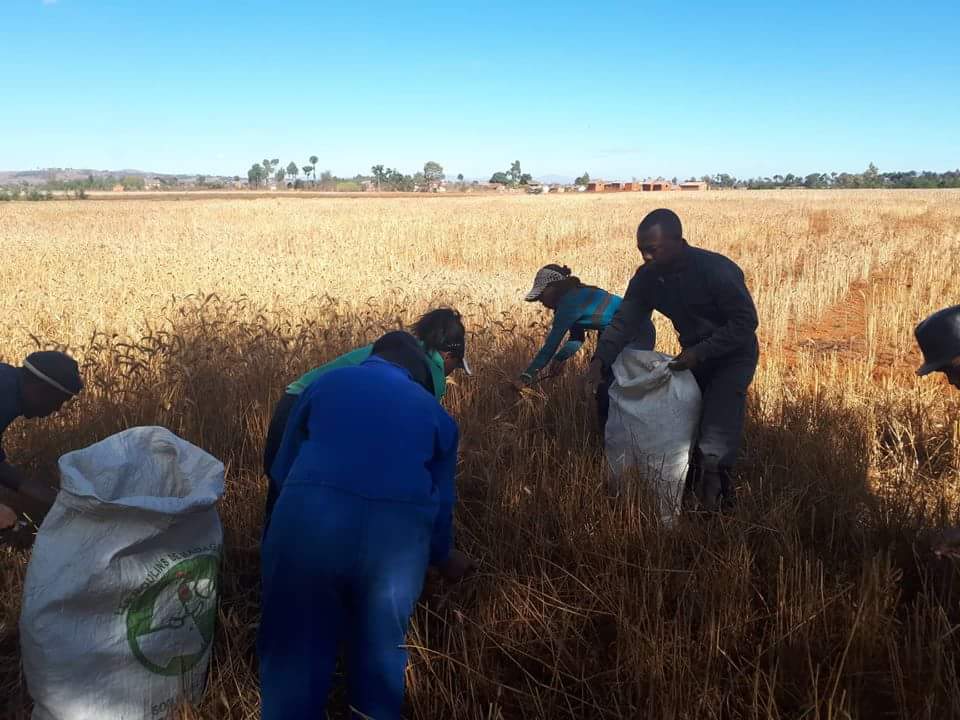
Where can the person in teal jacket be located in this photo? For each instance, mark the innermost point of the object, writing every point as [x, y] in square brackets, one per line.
[442, 335]
[577, 309]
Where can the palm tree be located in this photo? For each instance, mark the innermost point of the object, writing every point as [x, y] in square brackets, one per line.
[379, 173]
[313, 166]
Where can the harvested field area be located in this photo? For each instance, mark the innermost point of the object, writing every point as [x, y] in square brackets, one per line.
[819, 598]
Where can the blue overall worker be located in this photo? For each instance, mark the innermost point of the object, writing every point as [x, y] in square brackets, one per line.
[38, 389]
[939, 339]
[704, 295]
[365, 472]
[577, 308]
[443, 337]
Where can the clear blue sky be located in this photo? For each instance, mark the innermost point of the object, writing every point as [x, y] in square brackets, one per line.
[620, 89]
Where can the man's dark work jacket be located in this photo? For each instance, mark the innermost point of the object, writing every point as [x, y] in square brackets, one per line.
[706, 298]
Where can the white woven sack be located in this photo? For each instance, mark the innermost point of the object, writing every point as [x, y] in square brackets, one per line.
[120, 599]
[652, 425]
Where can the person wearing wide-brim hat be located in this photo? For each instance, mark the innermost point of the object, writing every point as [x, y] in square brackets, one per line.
[939, 339]
[577, 309]
[38, 389]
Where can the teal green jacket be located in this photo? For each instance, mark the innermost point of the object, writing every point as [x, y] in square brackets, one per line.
[355, 357]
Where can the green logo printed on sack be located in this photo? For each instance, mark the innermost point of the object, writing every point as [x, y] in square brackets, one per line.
[170, 624]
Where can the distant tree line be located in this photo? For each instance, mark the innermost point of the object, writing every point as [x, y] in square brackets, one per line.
[106, 182]
[260, 173]
[869, 178]
[391, 179]
[381, 177]
[432, 177]
[26, 193]
[78, 188]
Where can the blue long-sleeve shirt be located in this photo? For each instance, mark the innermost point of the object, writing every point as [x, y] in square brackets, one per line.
[372, 431]
[582, 309]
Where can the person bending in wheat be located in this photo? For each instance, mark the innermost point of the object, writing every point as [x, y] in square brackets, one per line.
[38, 389]
[442, 337]
[365, 472]
[577, 309]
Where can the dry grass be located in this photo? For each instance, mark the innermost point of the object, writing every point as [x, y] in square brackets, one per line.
[818, 600]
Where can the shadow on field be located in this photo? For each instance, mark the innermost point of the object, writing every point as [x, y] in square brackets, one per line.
[814, 600]
[817, 598]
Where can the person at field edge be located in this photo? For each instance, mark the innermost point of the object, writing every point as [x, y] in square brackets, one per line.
[38, 389]
[443, 337]
[704, 295]
[577, 308]
[366, 469]
[938, 337]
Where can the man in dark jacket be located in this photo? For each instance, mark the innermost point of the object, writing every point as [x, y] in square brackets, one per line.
[39, 388]
[705, 297]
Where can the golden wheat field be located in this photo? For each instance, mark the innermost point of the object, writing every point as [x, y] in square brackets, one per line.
[818, 599]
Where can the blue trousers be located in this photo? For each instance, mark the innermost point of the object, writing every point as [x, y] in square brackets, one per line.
[339, 570]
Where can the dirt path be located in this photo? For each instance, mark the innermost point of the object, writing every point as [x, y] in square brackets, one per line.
[842, 329]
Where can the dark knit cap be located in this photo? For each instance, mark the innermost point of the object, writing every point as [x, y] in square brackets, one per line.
[56, 369]
[939, 339]
[404, 349]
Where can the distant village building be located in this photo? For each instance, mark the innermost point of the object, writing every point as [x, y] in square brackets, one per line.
[656, 185]
[118, 188]
[490, 187]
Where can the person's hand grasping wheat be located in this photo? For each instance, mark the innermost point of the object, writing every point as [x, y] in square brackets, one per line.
[8, 518]
[946, 543]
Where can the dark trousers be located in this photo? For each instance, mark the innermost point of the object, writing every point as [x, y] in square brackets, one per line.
[603, 399]
[723, 386]
[278, 424]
